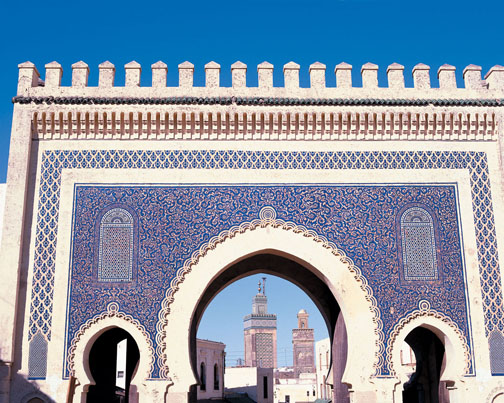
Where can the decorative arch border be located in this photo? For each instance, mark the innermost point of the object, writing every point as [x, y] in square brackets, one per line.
[495, 392]
[425, 310]
[267, 218]
[112, 312]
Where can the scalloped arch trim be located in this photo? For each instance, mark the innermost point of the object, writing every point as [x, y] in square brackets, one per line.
[111, 312]
[425, 310]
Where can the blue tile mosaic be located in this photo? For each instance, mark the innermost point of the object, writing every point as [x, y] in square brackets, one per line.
[53, 162]
[174, 221]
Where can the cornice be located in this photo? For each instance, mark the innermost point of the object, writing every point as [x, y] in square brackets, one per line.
[258, 123]
[260, 101]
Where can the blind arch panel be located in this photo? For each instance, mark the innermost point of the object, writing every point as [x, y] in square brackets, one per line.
[115, 263]
[418, 245]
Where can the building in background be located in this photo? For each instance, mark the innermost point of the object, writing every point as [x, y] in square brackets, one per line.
[302, 346]
[260, 333]
[408, 359]
[296, 389]
[210, 360]
[323, 363]
[256, 383]
[298, 383]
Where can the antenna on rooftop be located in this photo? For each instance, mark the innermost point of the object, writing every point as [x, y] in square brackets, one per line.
[264, 285]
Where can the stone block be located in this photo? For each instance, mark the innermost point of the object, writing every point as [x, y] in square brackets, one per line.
[291, 75]
[80, 74]
[343, 73]
[53, 74]
[212, 75]
[107, 75]
[369, 73]
[317, 75]
[265, 75]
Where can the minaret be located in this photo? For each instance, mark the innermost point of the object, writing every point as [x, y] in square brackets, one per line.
[259, 331]
[302, 346]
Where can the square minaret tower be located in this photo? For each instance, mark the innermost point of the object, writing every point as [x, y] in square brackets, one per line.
[260, 333]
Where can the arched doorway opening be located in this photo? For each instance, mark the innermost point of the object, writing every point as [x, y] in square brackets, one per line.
[424, 384]
[113, 361]
[294, 271]
[322, 271]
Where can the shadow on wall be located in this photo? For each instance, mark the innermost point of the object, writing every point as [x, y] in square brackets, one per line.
[28, 391]
[240, 391]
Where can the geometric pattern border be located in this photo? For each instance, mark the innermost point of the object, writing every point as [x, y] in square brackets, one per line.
[54, 161]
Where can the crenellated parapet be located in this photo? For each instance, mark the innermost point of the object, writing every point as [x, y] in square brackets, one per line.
[188, 112]
[30, 82]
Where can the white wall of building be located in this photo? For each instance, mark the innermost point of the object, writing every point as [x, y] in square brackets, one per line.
[250, 380]
[210, 356]
[323, 362]
[295, 392]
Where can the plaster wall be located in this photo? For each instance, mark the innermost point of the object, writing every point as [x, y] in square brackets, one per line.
[297, 393]
[70, 177]
[3, 188]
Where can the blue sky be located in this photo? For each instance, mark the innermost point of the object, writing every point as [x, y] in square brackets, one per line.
[433, 32]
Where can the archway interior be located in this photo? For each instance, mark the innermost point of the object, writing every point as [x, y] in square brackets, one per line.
[102, 364]
[303, 276]
[424, 385]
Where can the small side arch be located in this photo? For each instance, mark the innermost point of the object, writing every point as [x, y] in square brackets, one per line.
[455, 344]
[82, 343]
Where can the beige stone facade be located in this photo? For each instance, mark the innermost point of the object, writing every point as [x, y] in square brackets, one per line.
[131, 207]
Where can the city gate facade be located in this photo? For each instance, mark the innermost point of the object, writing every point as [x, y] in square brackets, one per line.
[132, 206]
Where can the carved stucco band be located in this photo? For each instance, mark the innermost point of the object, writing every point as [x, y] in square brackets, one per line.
[255, 123]
[190, 100]
[267, 218]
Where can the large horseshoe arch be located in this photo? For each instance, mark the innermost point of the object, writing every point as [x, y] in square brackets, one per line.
[330, 280]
